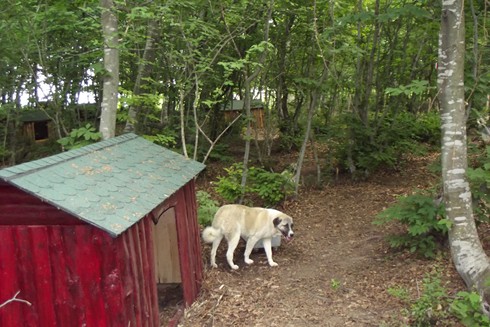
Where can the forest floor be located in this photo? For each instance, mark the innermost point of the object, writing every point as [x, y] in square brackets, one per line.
[338, 269]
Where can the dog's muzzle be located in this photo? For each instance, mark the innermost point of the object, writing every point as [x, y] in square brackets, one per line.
[288, 235]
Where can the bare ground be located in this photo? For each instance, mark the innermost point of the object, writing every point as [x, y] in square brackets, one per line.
[337, 270]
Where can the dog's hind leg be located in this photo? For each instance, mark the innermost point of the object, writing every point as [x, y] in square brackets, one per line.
[248, 249]
[232, 244]
[268, 251]
[216, 243]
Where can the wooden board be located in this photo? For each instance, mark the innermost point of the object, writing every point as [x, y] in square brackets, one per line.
[166, 249]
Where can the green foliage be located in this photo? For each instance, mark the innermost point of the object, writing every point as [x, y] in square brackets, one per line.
[415, 87]
[4, 153]
[268, 186]
[385, 142]
[430, 306]
[206, 209]
[162, 139]
[80, 137]
[479, 178]
[335, 284]
[422, 219]
[467, 308]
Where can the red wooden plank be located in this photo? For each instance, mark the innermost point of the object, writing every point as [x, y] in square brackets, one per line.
[149, 278]
[10, 315]
[28, 214]
[184, 251]
[62, 275]
[139, 274]
[25, 269]
[134, 274]
[73, 283]
[194, 232]
[145, 273]
[123, 242]
[42, 275]
[113, 291]
[88, 269]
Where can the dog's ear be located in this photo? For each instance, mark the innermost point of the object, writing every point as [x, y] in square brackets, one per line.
[276, 221]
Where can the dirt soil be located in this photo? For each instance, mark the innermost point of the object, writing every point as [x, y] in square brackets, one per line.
[336, 271]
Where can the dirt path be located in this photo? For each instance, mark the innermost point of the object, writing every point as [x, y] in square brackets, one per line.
[335, 273]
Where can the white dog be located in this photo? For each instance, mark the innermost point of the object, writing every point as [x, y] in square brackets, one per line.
[253, 224]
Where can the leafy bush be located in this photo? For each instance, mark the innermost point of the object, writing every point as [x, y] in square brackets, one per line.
[422, 218]
[162, 139]
[384, 142]
[431, 305]
[467, 308]
[268, 186]
[206, 209]
[80, 137]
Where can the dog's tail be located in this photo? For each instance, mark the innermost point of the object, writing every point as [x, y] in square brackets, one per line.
[209, 234]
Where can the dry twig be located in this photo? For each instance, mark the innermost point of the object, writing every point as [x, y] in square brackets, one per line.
[15, 299]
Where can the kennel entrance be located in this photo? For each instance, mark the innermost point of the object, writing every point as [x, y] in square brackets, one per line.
[166, 249]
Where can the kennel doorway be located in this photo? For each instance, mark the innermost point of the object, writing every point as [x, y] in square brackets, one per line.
[166, 249]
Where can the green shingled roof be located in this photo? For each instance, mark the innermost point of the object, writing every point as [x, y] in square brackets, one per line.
[110, 184]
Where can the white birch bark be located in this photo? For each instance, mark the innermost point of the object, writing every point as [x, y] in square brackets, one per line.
[468, 255]
[111, 65]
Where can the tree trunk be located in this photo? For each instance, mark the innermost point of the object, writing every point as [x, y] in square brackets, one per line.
[144, 71]
[111, 65]
[468, 255]
[314, 103]
[247, 101]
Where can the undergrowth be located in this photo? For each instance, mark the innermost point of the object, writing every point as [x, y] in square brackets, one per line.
[422, 218]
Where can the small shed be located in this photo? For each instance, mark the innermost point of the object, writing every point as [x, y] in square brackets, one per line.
[87, 234]
[236, 107]
[36, 125]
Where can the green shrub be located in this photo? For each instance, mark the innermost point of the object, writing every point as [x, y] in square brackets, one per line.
[162, 139]
[80, 137]
[383, 142]
[430, 307]
[467, 308]
[425, 228]
[206, 209]
[268, 186]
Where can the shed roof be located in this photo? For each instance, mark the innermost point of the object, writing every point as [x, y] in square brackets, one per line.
[33, 116]
[110, 184]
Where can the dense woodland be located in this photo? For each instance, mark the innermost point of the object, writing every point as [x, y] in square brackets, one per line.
[360, 74]
[358, 78]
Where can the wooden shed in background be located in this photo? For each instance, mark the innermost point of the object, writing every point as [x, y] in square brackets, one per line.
[87, 234]
[236, 107]
[36, 125]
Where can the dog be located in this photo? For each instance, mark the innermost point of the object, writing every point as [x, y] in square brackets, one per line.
[233, 221]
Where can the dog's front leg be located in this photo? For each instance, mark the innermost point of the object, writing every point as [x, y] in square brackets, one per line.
[268, 251]
[248, 249]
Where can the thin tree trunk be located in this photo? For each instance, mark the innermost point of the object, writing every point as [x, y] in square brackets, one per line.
[182, 120]
[111, 65]
[468, 255]
[315, 96]
[247, 100]
[144, 71]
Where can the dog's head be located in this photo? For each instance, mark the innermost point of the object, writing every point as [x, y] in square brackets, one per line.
[284, 224]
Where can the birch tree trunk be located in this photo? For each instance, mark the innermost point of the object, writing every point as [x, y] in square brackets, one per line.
[467, 252]
[111, 65]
